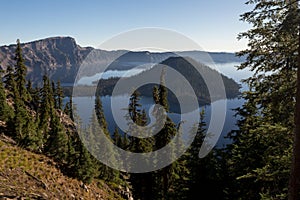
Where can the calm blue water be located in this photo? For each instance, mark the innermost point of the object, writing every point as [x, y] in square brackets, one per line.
[85, 105]
[88, 80]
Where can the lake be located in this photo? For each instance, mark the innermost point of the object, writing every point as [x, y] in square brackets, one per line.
[85, 105]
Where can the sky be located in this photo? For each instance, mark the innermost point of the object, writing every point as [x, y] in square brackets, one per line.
[212, 24]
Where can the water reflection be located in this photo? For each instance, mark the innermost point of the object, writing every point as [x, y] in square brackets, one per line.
[86, 104]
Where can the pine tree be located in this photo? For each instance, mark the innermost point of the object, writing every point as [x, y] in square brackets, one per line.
[155, 95]
[59, 96]
[260, 156]
[84, 167]
[5, 110]
[117, 137]
[293, 17]
[35, 98]
[206, 176]
[29, 87]
[106, 172]
[21, 123]
[125, 142]
[57, 142]
[141, 183]
[20, 74]
[163, 91]
[81, 164]
[67, 109]
[164, 179]
[33, 139]
[47, 107]
[70, 111]
[100, 115]
[10, 83]
[165, 176]
[34, 94]
[179, 172]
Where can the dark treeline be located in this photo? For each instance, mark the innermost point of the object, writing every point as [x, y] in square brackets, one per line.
[37, 120]
[257, 165]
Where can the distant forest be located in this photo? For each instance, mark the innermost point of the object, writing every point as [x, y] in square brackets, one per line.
[262, 162]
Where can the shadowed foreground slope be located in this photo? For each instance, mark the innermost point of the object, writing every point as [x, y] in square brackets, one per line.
[27, 175]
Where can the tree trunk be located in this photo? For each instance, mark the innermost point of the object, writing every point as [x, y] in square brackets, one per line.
[294, 183]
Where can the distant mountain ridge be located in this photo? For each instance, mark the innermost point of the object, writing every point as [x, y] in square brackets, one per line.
[61, 57]
[192, 72]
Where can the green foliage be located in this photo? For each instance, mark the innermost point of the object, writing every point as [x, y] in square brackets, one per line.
[155, 95]
[100, 114]
[67, 109]
[117, 138]
[35, 122]
[165, 178]
[206, 176]
[10, 83]
[141, 183]
[258, 160]
[20, 74]
[47, 107]
[57, 142]
[99, 122]
[58, 96]
[84, 166]
[171, 181]
[21, 123]
[5, 110]
[163, 92]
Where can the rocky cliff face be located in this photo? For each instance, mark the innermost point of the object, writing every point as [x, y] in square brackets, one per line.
[60, 58]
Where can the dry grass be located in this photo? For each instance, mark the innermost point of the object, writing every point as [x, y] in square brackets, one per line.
[26, 175]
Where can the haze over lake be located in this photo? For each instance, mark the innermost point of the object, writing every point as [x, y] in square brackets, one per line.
[85, 105]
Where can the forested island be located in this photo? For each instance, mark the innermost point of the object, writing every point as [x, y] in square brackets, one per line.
[42, 154]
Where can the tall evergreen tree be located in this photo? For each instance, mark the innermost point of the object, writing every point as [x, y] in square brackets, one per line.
[47, 107]
[22, 124]
[20, 73]
[70, 111]
[84, 168]
[165, 176]
[5, 110]
[206, 175]
[289, 24]
[260, 156]
[163, 91]
[180, 176]
[100, 115]
[117, 138]
[141, 183]
[106, 172]
[10, 83]
[81, 164]
[155, 95]
[57, 142]
[67, 109]
[59, 96]
[164, 179]
[35, 98]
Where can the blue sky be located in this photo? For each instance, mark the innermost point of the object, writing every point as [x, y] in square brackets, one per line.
[213, 24]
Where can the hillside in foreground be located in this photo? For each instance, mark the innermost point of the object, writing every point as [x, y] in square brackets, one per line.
[26, 175]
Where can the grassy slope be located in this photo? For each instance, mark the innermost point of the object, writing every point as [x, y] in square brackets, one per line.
[34, 176]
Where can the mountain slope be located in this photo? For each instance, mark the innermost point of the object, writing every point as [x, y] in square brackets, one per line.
[186, 67]
[60, 58]
[25, 175]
